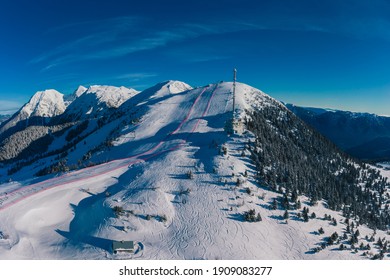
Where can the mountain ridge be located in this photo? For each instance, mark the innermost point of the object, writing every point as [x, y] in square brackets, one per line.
[43, 104]
[157, 162]
[349, 130]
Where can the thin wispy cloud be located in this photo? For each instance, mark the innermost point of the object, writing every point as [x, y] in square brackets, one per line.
[135, 77]
[122, 36]
[117, 39]
[70, 46]
[123, 22]
[99, 34]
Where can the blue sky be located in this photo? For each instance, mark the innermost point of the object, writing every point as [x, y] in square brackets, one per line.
[332, 54]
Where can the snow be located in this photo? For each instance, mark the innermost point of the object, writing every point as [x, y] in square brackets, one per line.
[112, 96]
[166, 213]
[46, 104]
[385, 169]
[96, 101]
[72, 97]
[79, 91]
[171, 87]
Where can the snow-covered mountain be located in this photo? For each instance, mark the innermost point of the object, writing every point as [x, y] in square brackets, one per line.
[36, 125]
[47, 103]
[79, 91]
[96, 101]
[43, 105]
[170, 87]
[30, 124]
[363, 135]
[72, 97]
[165, 170]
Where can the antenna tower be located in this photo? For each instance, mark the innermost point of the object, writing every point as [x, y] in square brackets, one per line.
[234, 90]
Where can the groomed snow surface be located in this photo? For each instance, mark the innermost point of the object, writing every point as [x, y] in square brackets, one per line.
[175, 190]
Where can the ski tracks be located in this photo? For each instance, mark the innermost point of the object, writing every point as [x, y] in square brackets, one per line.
[14, 197]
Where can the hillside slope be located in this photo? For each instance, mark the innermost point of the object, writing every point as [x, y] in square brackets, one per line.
[43, 105]
[362, 135]
[96, 101]
[181, 187]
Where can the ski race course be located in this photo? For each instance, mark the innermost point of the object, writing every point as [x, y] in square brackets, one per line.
[197, 110]
[176, 187]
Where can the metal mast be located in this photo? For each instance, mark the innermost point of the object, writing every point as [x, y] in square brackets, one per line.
[234, 90]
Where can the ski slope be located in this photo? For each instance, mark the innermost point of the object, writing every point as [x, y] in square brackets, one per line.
[168, 213]
[197, 110]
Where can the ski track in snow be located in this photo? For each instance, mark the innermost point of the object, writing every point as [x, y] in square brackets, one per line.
[12, 198]
[203, 227]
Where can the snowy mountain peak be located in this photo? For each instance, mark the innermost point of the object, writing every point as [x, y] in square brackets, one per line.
[79, 91]
[177, 86]
[47, 103]
[112, 96]
[96, 100]
[249, 98]
[170, 87]
[72, 97]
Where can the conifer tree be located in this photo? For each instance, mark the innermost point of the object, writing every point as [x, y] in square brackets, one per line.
[305, 216]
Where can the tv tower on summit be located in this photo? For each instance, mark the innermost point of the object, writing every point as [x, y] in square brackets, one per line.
[234, 89]
[234, 123]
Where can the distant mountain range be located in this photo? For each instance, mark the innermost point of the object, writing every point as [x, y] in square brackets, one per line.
[27, 131]
[362, 135]
[4, 118]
